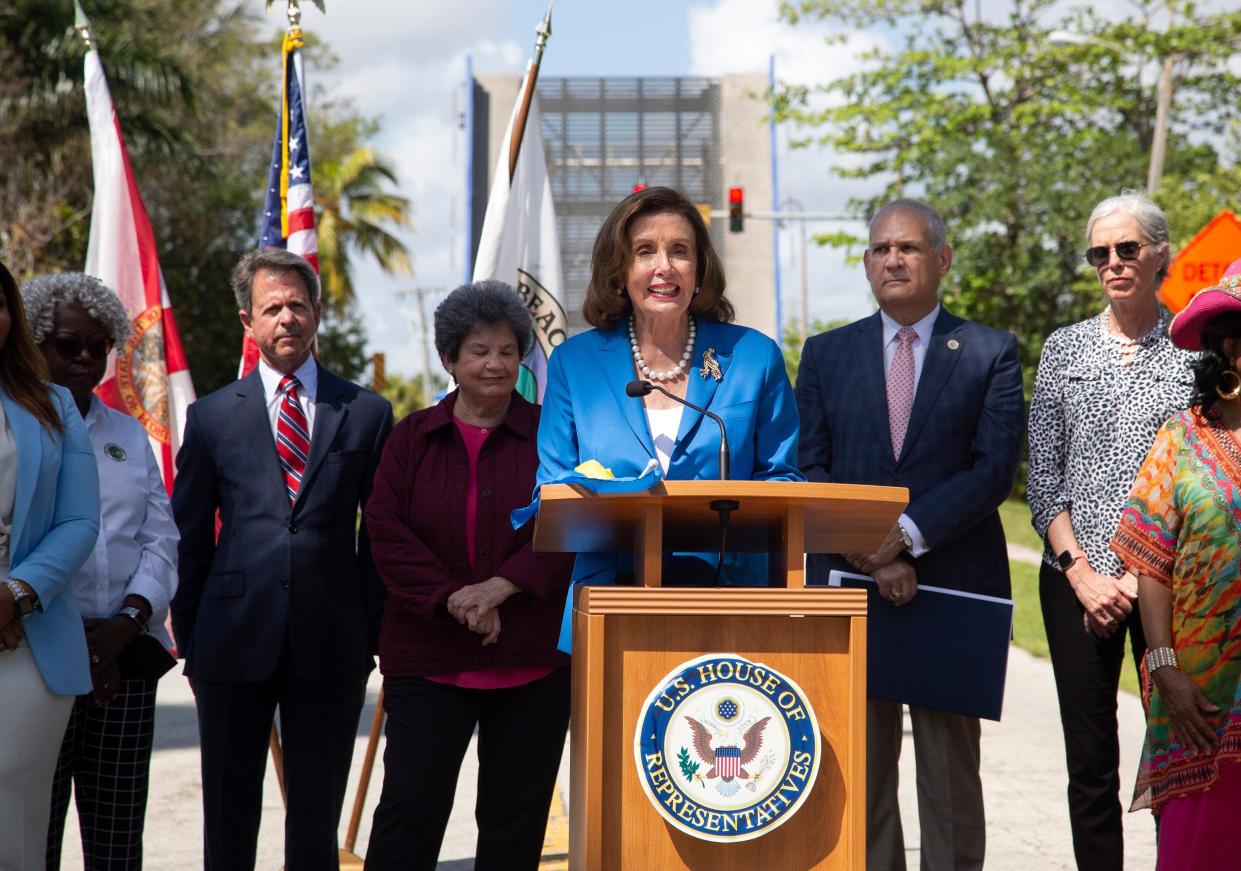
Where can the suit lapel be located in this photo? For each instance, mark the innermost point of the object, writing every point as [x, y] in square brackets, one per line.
[700, 390]
[252, 415]
[874, 392]
[330, 413]
[942, 355]
[616, 361]
[29, 440]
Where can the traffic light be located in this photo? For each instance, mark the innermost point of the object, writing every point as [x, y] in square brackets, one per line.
[736, 209]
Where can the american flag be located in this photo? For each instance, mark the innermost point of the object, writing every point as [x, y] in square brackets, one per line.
[289, 206]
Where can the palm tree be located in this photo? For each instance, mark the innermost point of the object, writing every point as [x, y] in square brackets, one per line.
[353, 207]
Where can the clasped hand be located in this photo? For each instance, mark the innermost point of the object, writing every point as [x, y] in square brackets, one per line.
[895, 578]
[1108, 601]
[105, 639]
[475, 606]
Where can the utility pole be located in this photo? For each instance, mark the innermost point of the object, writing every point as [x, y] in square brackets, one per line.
[423, 333]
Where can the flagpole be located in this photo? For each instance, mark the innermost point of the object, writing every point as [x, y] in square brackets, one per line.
[542, 32]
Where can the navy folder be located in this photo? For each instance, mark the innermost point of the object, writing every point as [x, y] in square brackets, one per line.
[945, 649]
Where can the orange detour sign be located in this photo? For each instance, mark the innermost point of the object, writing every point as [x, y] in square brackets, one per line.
[1202, 262]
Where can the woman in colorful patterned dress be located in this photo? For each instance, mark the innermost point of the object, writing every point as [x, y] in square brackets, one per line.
[1179, 534]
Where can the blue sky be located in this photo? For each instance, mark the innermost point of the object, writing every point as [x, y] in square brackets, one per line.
[405, 63]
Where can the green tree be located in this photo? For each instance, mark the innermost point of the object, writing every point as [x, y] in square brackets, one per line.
[406, 394]
[1014, 136]
[195, 87]
[353, 208]
[793, 343]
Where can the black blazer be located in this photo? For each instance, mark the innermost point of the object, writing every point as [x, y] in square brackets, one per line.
[961, 448]
[303, 570]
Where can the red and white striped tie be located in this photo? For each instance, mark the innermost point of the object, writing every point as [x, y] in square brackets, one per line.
[292, 436]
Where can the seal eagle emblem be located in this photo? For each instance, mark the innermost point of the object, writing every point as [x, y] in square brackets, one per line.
[726, 749]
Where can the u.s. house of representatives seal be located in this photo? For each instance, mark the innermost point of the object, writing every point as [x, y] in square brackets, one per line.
[727, 749]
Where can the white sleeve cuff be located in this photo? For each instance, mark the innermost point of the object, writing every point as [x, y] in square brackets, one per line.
[919, 543]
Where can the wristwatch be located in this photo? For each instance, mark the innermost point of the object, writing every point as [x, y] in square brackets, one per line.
[907, 540]
[24, 602]
[1066, 559]
[134, 614]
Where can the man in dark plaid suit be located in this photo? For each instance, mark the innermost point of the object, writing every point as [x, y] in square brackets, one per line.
[916, 397]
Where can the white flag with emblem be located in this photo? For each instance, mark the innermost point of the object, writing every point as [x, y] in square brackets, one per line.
[519, 245]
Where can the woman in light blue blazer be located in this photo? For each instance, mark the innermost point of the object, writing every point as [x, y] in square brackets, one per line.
[49, 517]
[656, 300]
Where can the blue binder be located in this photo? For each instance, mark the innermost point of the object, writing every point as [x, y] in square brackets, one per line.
[945, 649]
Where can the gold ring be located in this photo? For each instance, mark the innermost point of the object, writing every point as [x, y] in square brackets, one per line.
[896, 595]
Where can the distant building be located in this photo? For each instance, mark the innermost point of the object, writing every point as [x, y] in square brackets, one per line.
[602, 136]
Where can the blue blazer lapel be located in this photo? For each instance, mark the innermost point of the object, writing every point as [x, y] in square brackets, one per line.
[28, 435]
[330, 414]
[700, 390]
[252, 416]
[616, 362]
[941, 359]
[873, 390]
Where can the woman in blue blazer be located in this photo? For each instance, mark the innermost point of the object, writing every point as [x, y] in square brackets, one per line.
[49, 517]
[656, 300]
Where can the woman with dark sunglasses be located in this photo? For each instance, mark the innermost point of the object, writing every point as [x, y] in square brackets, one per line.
[122, 590]
[1103, 389]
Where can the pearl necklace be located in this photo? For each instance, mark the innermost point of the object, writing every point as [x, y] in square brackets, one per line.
[671, 374]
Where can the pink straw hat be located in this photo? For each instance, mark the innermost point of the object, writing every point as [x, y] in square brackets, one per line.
[1186, 328]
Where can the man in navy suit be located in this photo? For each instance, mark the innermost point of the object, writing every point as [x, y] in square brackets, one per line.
[282, 610]
[915, 397]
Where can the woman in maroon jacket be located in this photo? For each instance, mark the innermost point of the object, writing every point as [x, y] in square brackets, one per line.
[472, 615]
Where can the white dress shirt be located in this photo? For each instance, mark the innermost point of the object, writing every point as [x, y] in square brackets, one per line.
[308, 375]
[664, 424]
[923, 329]
[136, 552]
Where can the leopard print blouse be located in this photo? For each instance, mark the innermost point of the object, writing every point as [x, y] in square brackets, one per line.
[1092, 421]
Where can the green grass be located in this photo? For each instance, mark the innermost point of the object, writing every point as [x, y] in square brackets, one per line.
[1028, 631]
[1015, 515]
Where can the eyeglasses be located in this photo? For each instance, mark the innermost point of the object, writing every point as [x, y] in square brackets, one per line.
[71, 349]
[1100, 254]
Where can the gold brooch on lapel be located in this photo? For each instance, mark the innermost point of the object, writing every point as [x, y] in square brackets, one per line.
[953, 344]
[710, 366]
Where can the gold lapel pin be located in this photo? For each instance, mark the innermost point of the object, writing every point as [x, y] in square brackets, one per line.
[953, 344]
[710, 366]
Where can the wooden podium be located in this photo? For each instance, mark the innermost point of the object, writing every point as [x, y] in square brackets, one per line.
[628, 638]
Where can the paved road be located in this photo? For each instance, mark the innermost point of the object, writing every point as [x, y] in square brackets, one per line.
[1023, 770]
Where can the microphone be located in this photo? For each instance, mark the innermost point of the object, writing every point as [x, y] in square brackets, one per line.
[642, 388]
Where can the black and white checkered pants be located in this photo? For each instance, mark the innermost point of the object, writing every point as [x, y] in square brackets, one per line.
[106, 760]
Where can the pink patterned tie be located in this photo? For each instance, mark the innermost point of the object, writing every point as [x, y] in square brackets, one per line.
[901, 387]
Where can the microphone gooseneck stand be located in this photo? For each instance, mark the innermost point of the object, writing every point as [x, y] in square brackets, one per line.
[722, 507]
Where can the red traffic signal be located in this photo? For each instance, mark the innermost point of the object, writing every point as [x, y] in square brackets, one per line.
[736, 209]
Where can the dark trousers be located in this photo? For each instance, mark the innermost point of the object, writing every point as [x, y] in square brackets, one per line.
[105, 762]
[521, 734]
[318, 727]
[1087, 671]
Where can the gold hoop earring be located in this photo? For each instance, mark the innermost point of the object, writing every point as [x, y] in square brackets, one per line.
[1234, 392]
